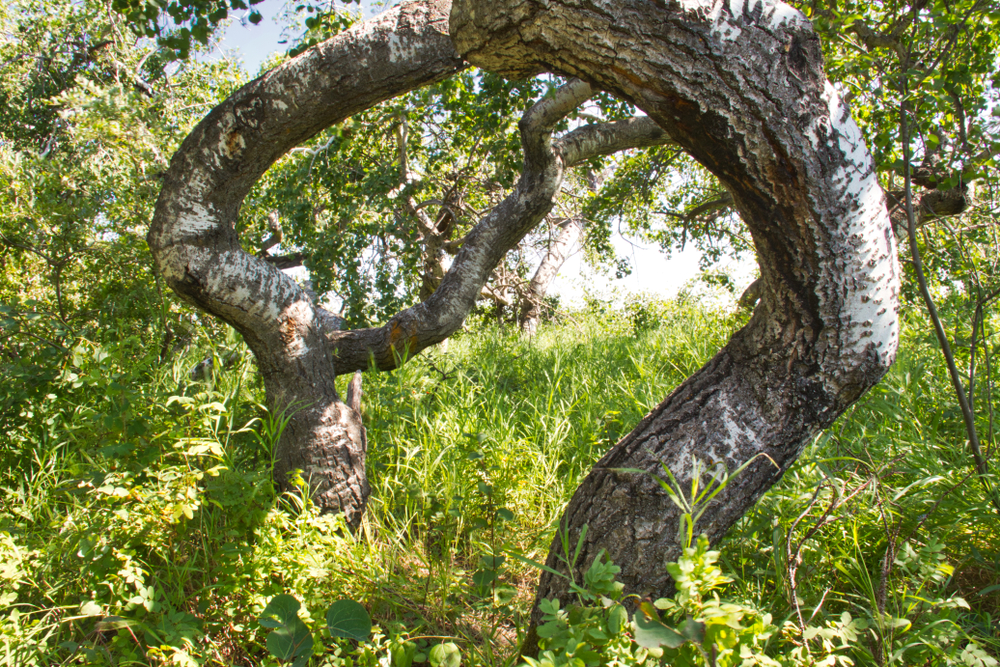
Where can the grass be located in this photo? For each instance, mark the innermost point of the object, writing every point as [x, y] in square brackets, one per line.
[142, 527]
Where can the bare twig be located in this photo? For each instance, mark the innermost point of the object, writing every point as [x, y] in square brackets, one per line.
[918, 267]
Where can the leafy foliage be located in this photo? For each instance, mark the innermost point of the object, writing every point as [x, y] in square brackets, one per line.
[161, 538]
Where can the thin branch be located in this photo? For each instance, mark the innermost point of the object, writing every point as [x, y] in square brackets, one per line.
[918, 267]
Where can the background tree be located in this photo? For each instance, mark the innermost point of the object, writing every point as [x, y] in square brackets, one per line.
[90, 120]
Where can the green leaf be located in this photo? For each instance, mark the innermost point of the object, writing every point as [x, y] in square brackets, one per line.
[579, 545]
[492, 562]
[617, 620]
[403, 653]
[445, 655]
[693, 631]
[349, 620]
[650, 632]
[290, 641]
[484, 578]
[279, 611]
[290, 637]
[898, 623]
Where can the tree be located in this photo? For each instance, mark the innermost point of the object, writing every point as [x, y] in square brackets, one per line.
[90, 117]
[740, 87]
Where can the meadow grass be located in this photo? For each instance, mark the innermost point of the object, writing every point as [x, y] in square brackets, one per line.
[141, 527]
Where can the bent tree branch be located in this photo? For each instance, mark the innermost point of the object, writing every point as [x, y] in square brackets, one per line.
[545, 160]
[195, 245]
[739, 86]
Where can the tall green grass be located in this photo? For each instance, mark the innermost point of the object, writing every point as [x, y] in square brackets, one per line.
[140, 525]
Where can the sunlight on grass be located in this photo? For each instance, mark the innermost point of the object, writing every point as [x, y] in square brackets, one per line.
[143, 527]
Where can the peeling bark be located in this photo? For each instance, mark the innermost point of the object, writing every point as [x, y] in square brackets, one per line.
[740, 86]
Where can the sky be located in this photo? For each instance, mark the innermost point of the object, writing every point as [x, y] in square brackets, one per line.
[651, 271]
[253, 44]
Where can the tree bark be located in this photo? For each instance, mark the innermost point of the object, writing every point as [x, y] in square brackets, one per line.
[740, 86]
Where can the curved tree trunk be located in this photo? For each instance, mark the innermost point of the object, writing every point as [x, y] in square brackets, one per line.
[740, 86]
[299, 347]
[195, 246]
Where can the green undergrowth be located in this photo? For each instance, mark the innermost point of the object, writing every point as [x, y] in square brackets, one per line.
[140, 526]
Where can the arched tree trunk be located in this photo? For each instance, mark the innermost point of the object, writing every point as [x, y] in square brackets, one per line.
[299, 347]
[740, 86]
[196, 248]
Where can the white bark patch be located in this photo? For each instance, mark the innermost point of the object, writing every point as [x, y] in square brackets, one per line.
[782, 14]
[400, 50]
[734, 436]
[725, 14]
[195, 221]
[871, 273]
[871, 299]
[238, 282]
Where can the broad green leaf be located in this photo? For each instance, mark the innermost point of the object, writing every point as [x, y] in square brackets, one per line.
[445, 655]
[291, 640]
[484, 577]
[650, 632]
[290, 637]
[348, 619]
[279, 611]
[617, 620]
[693, 631]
